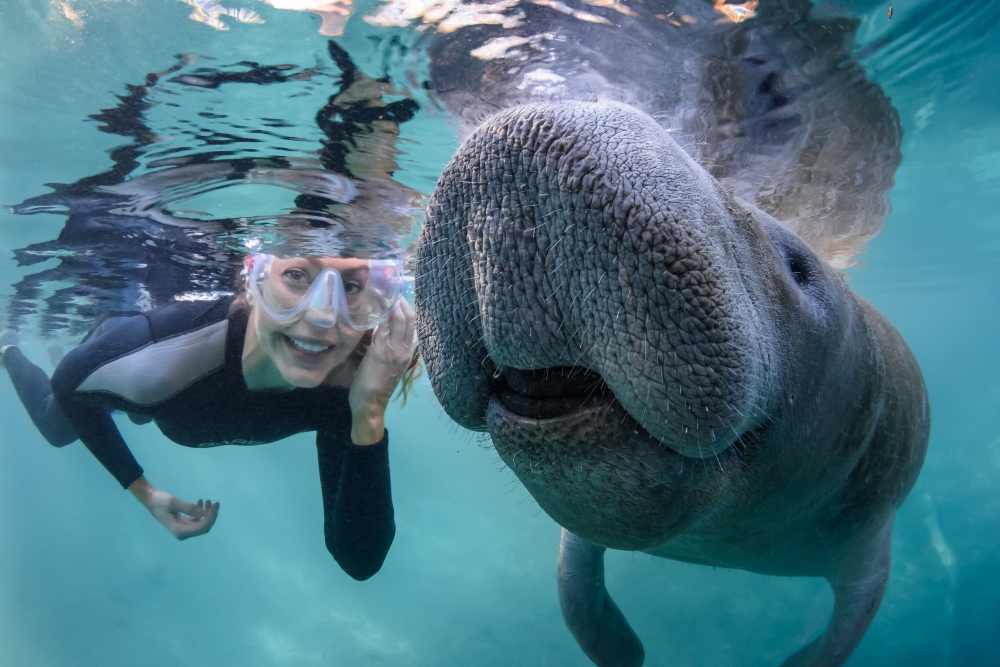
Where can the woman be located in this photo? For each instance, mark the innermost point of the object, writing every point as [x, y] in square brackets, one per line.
[312, 344]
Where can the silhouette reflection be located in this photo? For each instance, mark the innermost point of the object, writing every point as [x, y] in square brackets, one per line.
[131, 242]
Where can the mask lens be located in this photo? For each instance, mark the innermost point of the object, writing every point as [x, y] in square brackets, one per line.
[370, 296]
[281, 289]
[287, 289]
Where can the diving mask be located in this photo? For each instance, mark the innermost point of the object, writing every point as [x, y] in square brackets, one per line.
[364, 293]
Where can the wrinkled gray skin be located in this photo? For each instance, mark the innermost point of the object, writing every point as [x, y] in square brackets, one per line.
[665, 368]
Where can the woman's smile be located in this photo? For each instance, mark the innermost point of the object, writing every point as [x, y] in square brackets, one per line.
[306, 349]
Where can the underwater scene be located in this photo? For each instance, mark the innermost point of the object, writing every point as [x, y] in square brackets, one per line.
[681, 315]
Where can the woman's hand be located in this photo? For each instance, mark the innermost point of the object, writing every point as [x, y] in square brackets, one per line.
[182, 519]
[389, 355]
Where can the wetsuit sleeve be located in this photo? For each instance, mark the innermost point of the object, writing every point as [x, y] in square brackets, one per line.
[357, 502]
[88, 412]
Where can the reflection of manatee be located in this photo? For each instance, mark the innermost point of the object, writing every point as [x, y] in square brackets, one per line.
[664, 367]
[774, 107]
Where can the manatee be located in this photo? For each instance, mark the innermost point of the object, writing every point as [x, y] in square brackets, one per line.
[664, 367]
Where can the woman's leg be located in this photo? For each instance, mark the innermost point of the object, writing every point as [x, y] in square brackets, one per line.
[32, 387]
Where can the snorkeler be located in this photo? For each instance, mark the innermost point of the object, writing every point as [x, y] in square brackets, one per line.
[312, 344]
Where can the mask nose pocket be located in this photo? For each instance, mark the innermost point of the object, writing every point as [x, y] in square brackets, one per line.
[322, 306]
[321, 317]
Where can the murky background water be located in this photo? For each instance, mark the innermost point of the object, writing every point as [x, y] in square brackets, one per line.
[87, 578]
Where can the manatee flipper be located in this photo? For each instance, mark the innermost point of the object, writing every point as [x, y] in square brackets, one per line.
[590, 614]
[858, 585]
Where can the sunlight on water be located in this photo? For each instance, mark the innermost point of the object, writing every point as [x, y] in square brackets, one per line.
[144, 145]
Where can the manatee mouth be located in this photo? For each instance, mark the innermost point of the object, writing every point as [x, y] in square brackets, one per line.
[550, 393]
[551, 396]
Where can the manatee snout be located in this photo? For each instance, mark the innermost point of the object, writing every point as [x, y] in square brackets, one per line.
[587, 297]
[586, 239]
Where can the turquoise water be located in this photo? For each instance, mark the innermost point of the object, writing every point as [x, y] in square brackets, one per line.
[87, 578]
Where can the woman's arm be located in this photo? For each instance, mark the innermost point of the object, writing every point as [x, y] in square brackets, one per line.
[357, 502]
[388, 357]
[99, 433]
[89, 414]
[354, 476]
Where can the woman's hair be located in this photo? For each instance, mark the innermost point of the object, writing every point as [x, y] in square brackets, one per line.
[415, 370]
[242, 305]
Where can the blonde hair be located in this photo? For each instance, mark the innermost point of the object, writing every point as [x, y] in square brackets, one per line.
[415, 370]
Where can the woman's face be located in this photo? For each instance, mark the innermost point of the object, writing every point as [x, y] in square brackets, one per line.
[302, 350]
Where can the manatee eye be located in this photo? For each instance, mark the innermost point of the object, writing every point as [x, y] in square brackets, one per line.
[799, 265]
[799, 268]
[803, 266]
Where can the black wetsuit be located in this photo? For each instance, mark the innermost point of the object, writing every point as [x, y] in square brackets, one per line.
[181, 365]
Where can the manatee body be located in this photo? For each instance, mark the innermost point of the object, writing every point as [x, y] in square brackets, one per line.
[665, 368]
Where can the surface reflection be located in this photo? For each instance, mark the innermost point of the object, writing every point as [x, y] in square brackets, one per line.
[135, 236]
[333, 13]
[777, 109]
